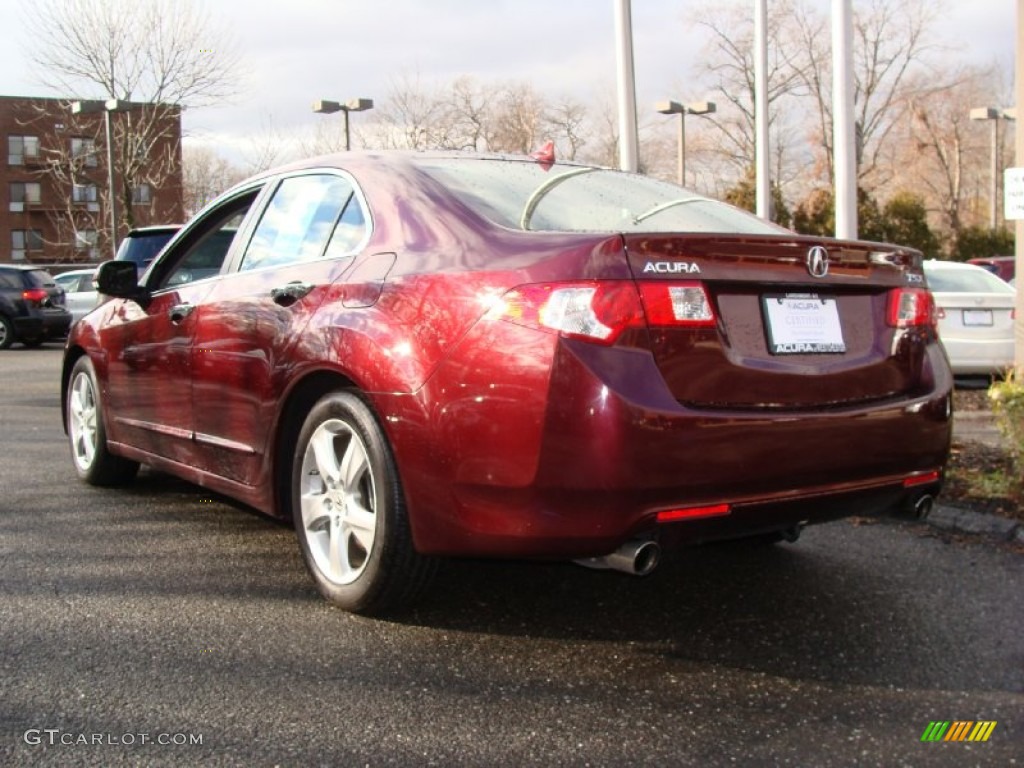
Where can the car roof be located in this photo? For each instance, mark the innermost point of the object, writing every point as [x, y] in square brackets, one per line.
[938, 264]
[154, 229]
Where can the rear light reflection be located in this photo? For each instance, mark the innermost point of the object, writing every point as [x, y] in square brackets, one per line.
[911, 308]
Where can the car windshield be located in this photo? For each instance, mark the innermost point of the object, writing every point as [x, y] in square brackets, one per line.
[571, 198]
[965, 281]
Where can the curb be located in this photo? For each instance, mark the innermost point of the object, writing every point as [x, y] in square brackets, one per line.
[968, 521]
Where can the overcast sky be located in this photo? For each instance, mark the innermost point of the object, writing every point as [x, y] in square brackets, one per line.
[296, 51]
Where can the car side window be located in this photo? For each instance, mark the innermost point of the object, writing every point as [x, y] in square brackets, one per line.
[350, 231]
[203, 252]
[298, 221]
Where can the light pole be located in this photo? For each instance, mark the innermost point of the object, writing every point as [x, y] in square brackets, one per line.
[107, 108]
[995, 115]
[324, 107]
[675, 108]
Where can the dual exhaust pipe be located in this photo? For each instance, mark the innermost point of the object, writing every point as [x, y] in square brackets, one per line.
[640, 557]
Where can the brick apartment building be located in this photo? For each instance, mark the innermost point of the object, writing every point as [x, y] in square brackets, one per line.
[54, 187]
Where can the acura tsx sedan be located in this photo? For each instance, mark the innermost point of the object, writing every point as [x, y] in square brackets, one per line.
[414, 355]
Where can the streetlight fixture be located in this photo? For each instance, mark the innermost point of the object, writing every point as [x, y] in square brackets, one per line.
[107, 107]
[675, 108]
[995, 115]
[324, 107]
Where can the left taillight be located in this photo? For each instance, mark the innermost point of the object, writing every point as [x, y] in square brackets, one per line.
[911, 308]
[598, 311]
[601, 311]
[35, 295]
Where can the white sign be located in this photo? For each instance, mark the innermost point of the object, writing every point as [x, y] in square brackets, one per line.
[803, 323]
[1013, 194]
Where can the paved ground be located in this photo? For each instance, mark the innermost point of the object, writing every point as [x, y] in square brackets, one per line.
[162, 611]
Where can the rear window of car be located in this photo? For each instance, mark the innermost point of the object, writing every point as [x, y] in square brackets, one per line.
[39, 278]
[965, 281]
[572, 198]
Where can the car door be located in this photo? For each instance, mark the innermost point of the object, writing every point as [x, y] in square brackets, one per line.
[149, 344]
[304, 241]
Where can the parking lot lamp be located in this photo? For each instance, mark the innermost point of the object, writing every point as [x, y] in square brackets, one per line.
[324, 107]
[675, 108]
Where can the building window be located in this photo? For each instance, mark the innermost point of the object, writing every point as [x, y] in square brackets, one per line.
[141, 195]
[85, 238]
[83, 193]
[84, 149]
[24, 192]
[23, 240]
[20, 148]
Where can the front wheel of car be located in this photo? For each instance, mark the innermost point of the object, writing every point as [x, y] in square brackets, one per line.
[94, 463]
[6, 333]
[350, 513]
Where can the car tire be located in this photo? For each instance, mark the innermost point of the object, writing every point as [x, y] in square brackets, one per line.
[6, 333]
[87, 434]
[349, 510]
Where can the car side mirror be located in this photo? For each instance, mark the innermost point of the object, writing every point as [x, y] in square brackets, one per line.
[120, 279]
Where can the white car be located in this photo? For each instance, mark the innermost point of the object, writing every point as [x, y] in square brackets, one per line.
[80, 294]
[976, 317]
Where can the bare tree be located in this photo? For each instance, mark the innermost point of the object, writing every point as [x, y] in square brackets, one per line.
[947, 153]
[159, 55]
[729, 68]
[205, 175]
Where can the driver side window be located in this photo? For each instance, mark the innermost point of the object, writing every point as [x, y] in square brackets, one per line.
[207, 247]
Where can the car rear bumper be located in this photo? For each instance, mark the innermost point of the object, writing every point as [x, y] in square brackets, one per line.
[570, 459]
[47, 325]
[979, 356]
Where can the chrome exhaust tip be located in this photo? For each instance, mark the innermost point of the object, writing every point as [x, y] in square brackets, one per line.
[637, 558]
[923, 506]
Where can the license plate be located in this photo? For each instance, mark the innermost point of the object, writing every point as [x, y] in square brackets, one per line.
[977, 317]
[803, 323]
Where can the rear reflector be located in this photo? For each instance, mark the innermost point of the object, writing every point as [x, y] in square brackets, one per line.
[693, 513]
[922, 479]
[911, 308]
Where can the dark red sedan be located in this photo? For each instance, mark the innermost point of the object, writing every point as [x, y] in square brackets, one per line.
[417, 355]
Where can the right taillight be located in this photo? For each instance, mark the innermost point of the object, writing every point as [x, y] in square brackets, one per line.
[911, 308]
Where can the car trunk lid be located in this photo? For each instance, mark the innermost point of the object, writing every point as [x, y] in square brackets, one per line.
[799, 322]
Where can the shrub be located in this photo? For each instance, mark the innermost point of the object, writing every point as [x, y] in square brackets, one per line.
[1007, 399]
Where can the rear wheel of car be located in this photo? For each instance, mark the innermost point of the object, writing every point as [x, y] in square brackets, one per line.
[349, 510]
[87, 434]
[6, 333]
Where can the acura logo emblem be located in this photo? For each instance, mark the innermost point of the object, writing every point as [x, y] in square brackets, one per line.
[817, 261]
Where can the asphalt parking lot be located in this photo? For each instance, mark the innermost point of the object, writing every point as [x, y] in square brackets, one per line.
[163, 625]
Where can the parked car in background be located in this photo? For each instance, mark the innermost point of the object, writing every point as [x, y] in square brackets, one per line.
[80, 295]
[412, 355]
[31, 306]
[1001, 266]
[142, 244]
[976, 317]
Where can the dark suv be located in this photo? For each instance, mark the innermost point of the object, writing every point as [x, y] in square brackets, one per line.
[141, 245]
[31, 306]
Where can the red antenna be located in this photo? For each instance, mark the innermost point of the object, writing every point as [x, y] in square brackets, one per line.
[545, 156]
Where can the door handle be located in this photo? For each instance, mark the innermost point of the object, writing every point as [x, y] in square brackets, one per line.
[180, 311]
[288, 294]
